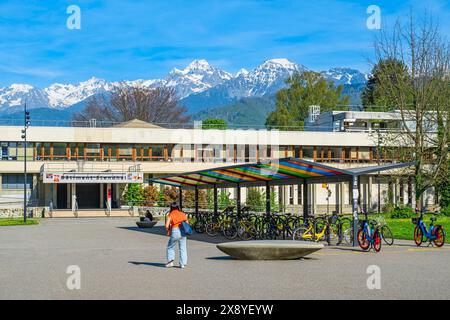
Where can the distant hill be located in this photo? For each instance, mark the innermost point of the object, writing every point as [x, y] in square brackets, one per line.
[246, 111]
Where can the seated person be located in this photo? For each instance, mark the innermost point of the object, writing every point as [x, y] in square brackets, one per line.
[148, 216]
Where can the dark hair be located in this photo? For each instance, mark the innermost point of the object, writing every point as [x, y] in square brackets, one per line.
[174, 206]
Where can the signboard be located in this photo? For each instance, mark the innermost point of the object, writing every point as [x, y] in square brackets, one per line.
[104, 177]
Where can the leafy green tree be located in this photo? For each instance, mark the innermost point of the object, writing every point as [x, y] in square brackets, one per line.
[304, 89]
[374, 97]
[214, 123]
[134, 194]
[255, 199]
[224, 200]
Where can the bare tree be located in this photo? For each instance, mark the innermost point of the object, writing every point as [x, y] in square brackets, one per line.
[422, 95]
[124, 103]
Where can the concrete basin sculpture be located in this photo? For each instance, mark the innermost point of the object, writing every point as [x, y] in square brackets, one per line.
[269, 249]
[146, 224]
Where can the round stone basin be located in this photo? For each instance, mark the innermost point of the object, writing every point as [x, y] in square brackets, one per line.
[269, 249]
[146, 224]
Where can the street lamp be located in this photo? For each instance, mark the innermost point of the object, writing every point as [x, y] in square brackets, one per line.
[379, 142]
[26, 124]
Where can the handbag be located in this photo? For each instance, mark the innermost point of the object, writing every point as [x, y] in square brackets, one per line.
[185, 228]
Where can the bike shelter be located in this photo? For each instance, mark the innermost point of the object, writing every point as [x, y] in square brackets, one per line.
[284, 171]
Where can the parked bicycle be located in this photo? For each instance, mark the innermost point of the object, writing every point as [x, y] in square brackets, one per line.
[434, 234]
[326, 228]
[369, 234]
[385, 231]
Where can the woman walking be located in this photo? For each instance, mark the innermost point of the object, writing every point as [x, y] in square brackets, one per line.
[173, 223]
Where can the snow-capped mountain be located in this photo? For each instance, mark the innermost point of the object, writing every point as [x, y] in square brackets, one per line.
[65, 95]
[14, 96]
[264, 80]
[198, 76]
[200, 85]
[345, 76]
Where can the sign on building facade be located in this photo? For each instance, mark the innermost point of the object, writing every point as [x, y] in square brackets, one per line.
[106, 177]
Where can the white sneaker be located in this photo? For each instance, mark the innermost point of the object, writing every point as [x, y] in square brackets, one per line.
[169, 264]
[182, 266]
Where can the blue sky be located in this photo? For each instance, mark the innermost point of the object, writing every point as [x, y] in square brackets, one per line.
[126, 40]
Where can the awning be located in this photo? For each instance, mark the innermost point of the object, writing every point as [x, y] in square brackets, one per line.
[275, 172]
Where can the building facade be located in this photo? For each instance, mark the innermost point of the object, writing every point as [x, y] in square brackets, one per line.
[89, 166]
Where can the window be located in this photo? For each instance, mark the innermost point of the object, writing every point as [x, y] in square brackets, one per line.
[59, 151]
[15, 181]
[14, 151]
[93, 151]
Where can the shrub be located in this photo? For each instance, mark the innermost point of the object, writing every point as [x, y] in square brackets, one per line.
[446, 211]
[400, 212]
[134, 194]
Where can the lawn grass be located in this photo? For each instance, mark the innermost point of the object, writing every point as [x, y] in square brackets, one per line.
[404, 228]
[17, 222]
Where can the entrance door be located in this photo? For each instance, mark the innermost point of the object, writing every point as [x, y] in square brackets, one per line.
[61, 195]
[88, 195]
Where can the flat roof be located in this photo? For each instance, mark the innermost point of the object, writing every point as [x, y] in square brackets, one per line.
[275, 172]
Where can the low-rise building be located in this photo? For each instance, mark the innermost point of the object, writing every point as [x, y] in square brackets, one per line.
[92, 165]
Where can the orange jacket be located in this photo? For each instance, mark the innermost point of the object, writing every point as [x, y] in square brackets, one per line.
[176, 218]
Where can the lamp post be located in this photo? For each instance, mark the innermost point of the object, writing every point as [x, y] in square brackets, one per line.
[379, 141]
[26, 124]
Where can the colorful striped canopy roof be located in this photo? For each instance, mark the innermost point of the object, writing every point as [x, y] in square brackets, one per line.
[280, 171]
[254, 174]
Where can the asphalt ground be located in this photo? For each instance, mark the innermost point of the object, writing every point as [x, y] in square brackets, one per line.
[116, 260]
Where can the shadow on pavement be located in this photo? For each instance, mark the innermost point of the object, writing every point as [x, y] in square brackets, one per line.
[220, 258]
[161, 231]
[153, 264]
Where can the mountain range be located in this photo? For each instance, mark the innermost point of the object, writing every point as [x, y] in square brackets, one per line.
[200, 87]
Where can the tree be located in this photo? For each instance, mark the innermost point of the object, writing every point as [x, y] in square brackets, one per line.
[255, 199]
[214, 123]
[189, 199]
[421, 96]
[224, 200]
[304, 89]
[125, 102]
[373, 97]
[134, 194]
[171, 194]
[151, 194]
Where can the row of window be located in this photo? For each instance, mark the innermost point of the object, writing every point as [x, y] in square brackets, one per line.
[15, 181]
[199, 153]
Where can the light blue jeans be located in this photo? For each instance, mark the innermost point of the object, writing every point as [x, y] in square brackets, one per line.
[175, 236]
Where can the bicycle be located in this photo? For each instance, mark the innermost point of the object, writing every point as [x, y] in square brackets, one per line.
[435, 234]
[385, 231]
[323, 228]
[369, 235]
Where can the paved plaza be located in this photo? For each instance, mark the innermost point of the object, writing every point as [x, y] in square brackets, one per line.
[119, 261]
